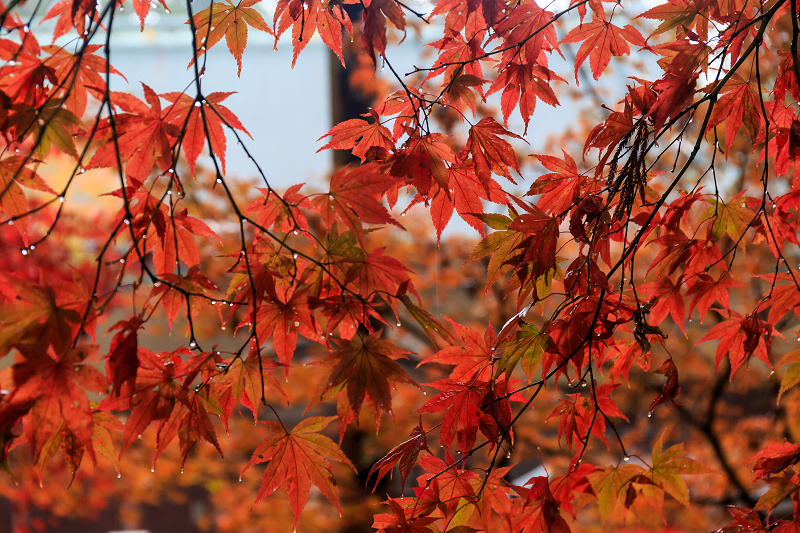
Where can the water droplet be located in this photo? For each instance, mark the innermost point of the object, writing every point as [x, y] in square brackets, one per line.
[294, 256]
[219, 180]
[583, 384]
[424, 393]
[197, 104]
[24, 251]
[330, 197]
[11, 222]
[181, 470]
[12, 62]
[223, 328]
[32, 247]
[690, 319]
[213, 302]
[650, 414]
[62, 199]
[508, 455]
[140, 436]
[296, 232]
[153, 469]
[122, 260]
[221, 366]
[127, 221]
[770, 374]
[296, 323]
[399, 324]
[626, 457]
[192, 344]
[26, 29]
[156, 284]
[119, 476]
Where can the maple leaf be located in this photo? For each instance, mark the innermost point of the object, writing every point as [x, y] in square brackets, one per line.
[298, 458]
[423, 161]
[738, 105]
[774, 458]
[578, 414]
[732, 218]
[154, 398]
[489, 152]
[353, 199]
[71, 14]
[402, 520]
[143, 135]
[739, 338]
[680, 13]
[367, 367]
[190, 290]
[601, 40]
[559, 189]
[201, 120]
[537, 509]
[465, 197]
[473, 356]
[86, 74]
[707, 290]
[668, 299]
[672, 387]
[13, 174]
[58, 382]
[283, 315]
[38, 315]
[522, 85]
[405, 454]
[528, 26]
[231, 21]
[465, 411]
[360, 136]
[610, 485]
[246, 381]
[328, 18]
[123, 354]
[373, 37]
[142, 8]
[668, 467]
[178, 242]
[791, 376]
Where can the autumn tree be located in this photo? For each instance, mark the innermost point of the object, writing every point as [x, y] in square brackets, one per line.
[625, 320]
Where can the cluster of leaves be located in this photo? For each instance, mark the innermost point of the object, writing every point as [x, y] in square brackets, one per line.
[584, 318]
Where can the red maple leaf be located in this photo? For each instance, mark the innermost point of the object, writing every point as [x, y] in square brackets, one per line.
[307, 16]
[774, 458]
[740, 338]
[354, 198]
[367, 368]
[423, 161]
[226, 19]
[489, 152]
[360, 136]
[143, 135]
[201, 120]
[298, 458]
[707, 290]
[373, 37]
[667, 300]
[601, 40]
[405, 454]
[737, 105]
